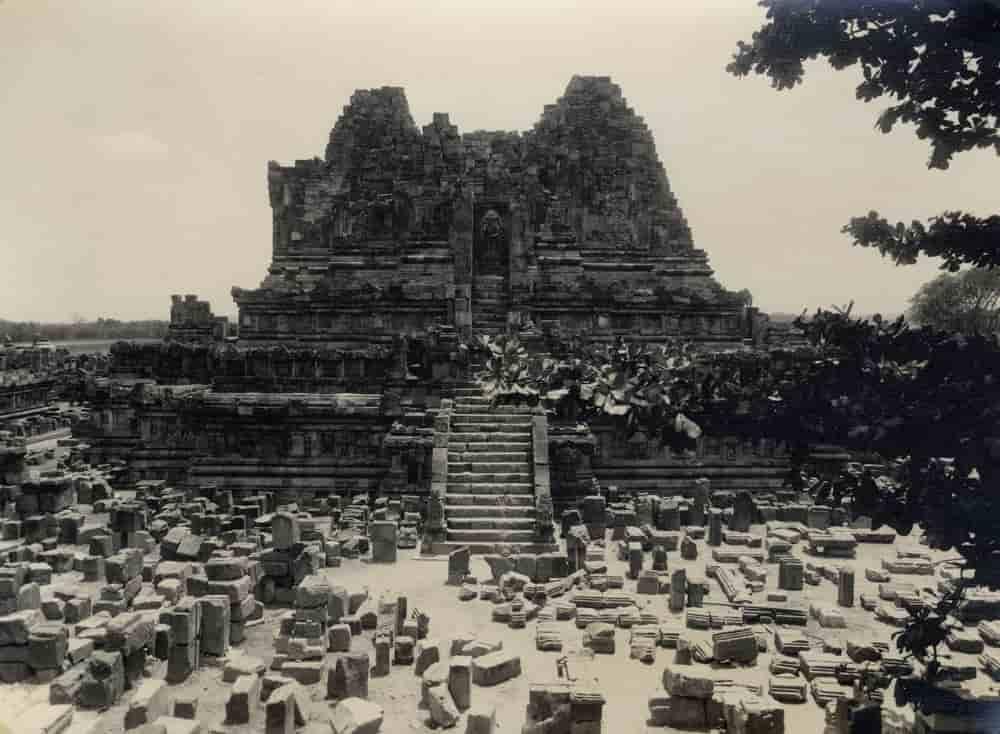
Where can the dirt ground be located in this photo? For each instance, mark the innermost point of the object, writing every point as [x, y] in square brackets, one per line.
[626, 684]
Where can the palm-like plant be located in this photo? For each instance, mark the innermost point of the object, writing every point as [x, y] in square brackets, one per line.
[508, 373]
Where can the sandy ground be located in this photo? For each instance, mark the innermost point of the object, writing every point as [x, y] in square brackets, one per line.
[626, 683]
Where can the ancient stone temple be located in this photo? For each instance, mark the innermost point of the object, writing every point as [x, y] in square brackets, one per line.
[400, 228]
[192, 319]
[350, 372]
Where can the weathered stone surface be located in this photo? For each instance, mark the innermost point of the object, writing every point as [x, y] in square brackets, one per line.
[48, 644]
[349, 676]
[129, 632]
[243, 700]
[678, 683]
[150, 701]
[460, 681]
[339, 638]
[357, 716]
[428, 653]
[444, 712]
[15, 628]
[481, 719]
[182, 661]
[495, 667]
[239, 665]
[215, 625]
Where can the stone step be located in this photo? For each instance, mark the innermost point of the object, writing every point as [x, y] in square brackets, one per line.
[496, 437]
[461, 487]
[491, 523]
[491, 468]
[464, 419]
[464, 408]
[489, 502]
[499, 512]
[521, 458]
[514, 477]
[491, 432]
[491, 536]
[474, 450]
[475, 424]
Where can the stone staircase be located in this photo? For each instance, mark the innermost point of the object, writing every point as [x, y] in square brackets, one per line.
[490, 304]
[490, 498]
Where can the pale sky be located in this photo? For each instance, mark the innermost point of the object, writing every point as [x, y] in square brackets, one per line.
[134, 137]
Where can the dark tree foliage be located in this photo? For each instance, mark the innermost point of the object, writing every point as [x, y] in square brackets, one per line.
[939, 63]
[967, 302]
[927, 402]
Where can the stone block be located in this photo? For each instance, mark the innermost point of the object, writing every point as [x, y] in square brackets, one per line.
[285, 531]
[460, 681]
[240, 665]
[482, 719]
[495, 668]
[122, 566]
[15, 628]
[677, 683]
[357, 716]
[444, 712]
[149, 702]
[104, 681]
[226, 569]
[313, 592]
[458, 565]
[129, 632]
[384, 536]
[243, 700]
[349, 676]
[214, 625]
[428, 652]
[339, 636]
[305, 672]
[182, 661]
[48, 644]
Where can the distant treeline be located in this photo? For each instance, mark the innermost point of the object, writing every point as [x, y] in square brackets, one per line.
[25, 331]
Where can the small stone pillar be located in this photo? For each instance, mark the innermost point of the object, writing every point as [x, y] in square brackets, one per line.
[383, 656]
[743, 513]
[689, 549]
[695, 592]
[400, 614]
[384, 536]
[699, 502]
[678, 590]
[715, 527]
[659, 558]
[670, 516]
[845, 587]
[634, 560]
[460, 681]
[790, 574]
[458, 565]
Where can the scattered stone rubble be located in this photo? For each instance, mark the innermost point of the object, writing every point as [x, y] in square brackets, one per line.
[114, 603]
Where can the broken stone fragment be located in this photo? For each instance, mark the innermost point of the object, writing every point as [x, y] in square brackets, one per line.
[149, 702]
[495, 668]
[243, 699]
[357, 716]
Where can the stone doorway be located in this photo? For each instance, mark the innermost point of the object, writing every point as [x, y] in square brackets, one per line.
[491, 267]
